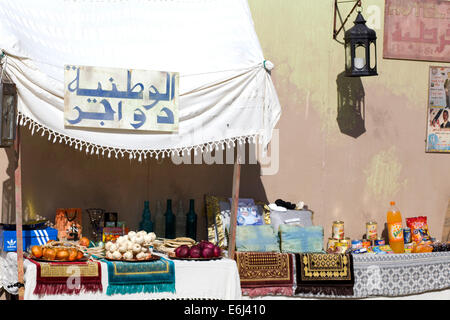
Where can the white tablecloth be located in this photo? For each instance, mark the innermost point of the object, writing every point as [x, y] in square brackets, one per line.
[215, 279]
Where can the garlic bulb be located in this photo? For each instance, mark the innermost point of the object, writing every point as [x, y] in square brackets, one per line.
[128, 255]
[116, 255]
[113, 247]
[122, 239]
[123, 248]
[142, 233]
[136, 248]
[144, 249]
[109, 255]
[141, 255]
[148, 238]
[129, 245]
[139, 239]
[131, 234]
[108, 245]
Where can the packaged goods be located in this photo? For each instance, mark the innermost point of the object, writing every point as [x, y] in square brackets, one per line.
[379, 242]
[371, 230]
[357, 244]
[395, 229]
[382, 249]
[331, 243]
[407, 234]
[419, 228]
[360, 251]
[366, 243]
[338, 230]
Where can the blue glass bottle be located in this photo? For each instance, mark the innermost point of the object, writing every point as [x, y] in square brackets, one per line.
[146, 223]
[170, 221]
[191, 221]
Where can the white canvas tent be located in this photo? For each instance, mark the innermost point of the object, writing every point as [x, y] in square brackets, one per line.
[226, 94]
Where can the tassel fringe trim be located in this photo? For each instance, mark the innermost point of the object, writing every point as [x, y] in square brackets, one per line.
[140, 155]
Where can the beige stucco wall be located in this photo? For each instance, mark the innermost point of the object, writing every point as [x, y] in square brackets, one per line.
[337, 175]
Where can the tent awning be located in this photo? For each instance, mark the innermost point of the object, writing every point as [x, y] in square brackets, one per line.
[225, 91]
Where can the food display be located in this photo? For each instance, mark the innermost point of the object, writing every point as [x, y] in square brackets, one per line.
[58, 251]
[203, 250]
[419, 229]
[168, 246]
[135, 246]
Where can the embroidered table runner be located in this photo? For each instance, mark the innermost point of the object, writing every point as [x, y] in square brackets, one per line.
[322, 273]
[67, 277]
[263, 273]
[135, 277]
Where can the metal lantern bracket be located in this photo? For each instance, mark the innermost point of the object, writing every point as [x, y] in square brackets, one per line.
[336, 2]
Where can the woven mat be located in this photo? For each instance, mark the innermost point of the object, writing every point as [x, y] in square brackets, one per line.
[270, 271]
[67, 277]
[135, 277]
[322, 273]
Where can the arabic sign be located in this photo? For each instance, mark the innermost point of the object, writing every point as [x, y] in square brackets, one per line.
[417, 30]
[438, 128]
[111, 98]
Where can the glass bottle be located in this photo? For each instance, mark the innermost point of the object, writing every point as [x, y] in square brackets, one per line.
[170, 221]
[180, 220]
[146, 223]
[159, 219]
[191, 221]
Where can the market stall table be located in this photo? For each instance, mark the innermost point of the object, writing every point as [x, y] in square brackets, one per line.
[215, 279]
[392, 276]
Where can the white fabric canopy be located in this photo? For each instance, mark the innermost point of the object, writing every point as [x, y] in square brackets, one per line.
[226, 93]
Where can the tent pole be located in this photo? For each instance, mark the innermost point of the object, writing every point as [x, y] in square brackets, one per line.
[234, 207]
[18, 196]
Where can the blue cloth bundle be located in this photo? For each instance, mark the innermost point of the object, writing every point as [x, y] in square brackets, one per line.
[256, 238]
[297, 239]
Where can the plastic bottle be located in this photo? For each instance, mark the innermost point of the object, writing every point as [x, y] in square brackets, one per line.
[395, 229]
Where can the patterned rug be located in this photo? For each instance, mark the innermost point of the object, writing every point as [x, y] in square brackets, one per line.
[322, 273]
[67, 277]
[263, 273]
[136, 277]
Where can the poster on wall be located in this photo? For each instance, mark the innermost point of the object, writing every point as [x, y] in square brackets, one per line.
[438, 128]
[122, 99]
[417, 30]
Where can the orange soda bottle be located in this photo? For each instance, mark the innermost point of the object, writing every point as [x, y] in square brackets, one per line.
[395, 229]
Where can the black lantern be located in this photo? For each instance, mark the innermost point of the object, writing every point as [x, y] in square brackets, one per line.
[360, 50]
[8, 106]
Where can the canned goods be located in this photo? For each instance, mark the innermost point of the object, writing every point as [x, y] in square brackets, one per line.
[346, 241]
[407, 235]
[379, 242]
[332, 243]
[371, 230]
[338, 230]
[341, 247]
[366, 243]
[356, 244]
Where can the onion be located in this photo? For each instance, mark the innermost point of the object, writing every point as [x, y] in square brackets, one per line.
[182, 251]
[209, 245]
[217, 251]
[195, 252]
[207, 253]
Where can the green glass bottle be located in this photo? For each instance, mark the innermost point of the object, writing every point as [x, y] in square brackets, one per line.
[191, 221]
[146, 223]
[170, 221]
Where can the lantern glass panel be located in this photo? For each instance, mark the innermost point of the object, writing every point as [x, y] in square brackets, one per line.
[373, 55]
[360, 57]
[7, 133]
[348, 56]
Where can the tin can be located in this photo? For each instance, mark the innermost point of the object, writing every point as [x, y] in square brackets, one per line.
[371, 230]
[356, 244]
[332, 243]
[366, 243]
[346, 241]
[338, 230]
[341, 247]
[407, 234]
[379, 242]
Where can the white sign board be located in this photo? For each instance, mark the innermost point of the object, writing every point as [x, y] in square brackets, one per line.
[111, 98]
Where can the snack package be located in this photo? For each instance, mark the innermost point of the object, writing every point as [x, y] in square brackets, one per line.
[419, 229]
[382, 249]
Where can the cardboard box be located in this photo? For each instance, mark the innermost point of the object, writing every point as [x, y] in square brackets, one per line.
[8, 239]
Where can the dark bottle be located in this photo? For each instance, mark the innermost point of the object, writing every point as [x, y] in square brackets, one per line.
[191, 221]
[146, 223]
[170, 221]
